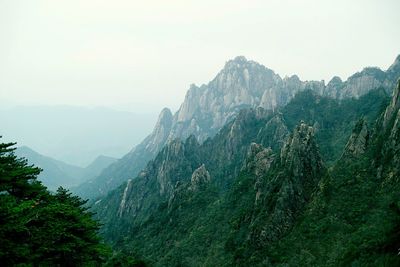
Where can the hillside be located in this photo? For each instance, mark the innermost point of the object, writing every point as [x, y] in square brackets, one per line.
[238, 197]
[57, 173]
[240, 84]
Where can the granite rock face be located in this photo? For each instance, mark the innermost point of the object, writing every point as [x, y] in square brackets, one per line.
[393, 108]
[161, 131]
[391, 137]
[284, 192]
[182, 169]
[199, 178]
[274, 133]
[258, 162]
[358, 141]
[362, 82]
[245, 83]
[240, 84]
[299, 153]
[258, 159]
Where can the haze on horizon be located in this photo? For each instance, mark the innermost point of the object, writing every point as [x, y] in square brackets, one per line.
[142, 56]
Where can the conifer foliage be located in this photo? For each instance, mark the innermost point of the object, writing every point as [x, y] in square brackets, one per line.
[42, 228]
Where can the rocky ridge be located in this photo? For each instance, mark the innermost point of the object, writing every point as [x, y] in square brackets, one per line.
[358, 141]
[240, 84]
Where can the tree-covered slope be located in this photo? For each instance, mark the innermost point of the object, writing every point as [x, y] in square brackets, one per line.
[233, 199]
[353, 220]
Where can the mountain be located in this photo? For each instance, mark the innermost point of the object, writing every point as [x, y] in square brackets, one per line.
[240, 84]
[57, 173]
[98, 165]
[77, 134]
[231, 199]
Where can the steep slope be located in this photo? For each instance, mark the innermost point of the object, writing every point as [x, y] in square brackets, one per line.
[174, 166]
[354, 219]
[170, 206]
[223, 201]
[240, 84]
[131, 164]
[98, 165]
[57, 173]
[333, 120]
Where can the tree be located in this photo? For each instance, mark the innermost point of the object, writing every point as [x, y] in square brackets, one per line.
[40, 228]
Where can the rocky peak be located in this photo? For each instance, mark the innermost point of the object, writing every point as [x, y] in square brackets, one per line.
[200, 177]
[391, 130]
[161, 131]
[240, 84]
[258, 159]
[393, 107]
[333, 87]
[164, 117]
[370, 71]
[190, 104]
[395, 67]
[289, 186]
[300, 153]
[358, 140]
[242, 80]
[335, 81]
[238, 60]
[362, 82]
[274, 133]
[294, 79]
[168, 161]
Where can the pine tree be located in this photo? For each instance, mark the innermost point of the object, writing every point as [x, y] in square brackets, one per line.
[40, 228]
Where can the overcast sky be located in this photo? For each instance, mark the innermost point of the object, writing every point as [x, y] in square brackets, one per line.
[143, 55]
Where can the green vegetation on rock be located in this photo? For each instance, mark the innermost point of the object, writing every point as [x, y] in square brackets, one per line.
[312, 199]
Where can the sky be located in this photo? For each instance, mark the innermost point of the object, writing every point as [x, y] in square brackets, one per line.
[142, 55]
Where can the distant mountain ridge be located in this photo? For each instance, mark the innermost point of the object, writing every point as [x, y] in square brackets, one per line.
[240, 84]
[78, 134]
[57, 173]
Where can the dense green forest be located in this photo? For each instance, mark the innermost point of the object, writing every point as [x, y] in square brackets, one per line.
[39, 228]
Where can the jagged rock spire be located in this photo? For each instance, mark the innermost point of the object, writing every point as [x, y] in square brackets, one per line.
[258, 159]
[300, 152]
[393, 107]
[199, 178]
[161, 131]
[358, 141]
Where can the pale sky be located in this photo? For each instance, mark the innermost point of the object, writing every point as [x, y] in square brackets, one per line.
[143, 55]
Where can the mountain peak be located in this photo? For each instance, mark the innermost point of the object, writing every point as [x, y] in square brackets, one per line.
[240, 62]
[300, 151]
[165, 114]
[200, 177]
[240, 59]
[395, 67]
[358, 140]
[335, 80]
[161, 131]
[393, 107]
[258, 159]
